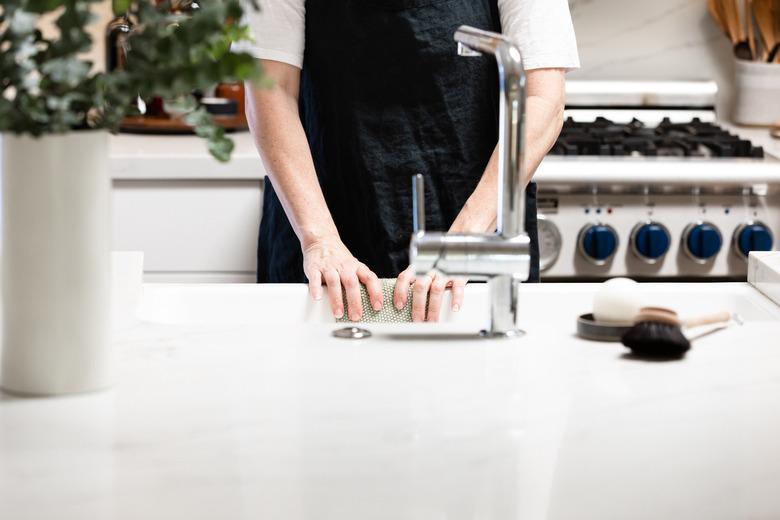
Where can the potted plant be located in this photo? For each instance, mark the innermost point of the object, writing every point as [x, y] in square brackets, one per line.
[56, 113]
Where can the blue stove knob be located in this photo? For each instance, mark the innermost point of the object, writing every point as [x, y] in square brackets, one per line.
[702, 241]
[752, 236]
[598, 243]
[650, 241]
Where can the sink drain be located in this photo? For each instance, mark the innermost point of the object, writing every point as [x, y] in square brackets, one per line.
[352, 333]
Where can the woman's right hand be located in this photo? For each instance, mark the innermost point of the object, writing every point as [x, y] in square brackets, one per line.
[328, 262]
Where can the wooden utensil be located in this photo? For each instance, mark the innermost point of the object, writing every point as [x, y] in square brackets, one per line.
[763, 11]
[776, 18]
[729, 12]
[751, 37]
[776, 31]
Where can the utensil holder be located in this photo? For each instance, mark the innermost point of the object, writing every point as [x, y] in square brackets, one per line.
[757, 93]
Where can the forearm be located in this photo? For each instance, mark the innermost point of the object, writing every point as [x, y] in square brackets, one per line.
[543, 120]
[280, 139]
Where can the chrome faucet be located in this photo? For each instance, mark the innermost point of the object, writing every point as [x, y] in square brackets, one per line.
[503, 258]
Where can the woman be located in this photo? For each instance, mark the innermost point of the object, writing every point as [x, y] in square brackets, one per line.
[367, 93]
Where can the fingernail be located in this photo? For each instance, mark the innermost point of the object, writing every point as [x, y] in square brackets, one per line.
[455, 308]
[399, 305]
[317, 297]
[377, 305]
[354, 316]
[339, 314]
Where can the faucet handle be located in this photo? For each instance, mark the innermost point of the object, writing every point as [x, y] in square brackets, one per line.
[418, 204]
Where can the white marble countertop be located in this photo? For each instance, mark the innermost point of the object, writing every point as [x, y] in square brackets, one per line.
[164, 157]
[219, 414]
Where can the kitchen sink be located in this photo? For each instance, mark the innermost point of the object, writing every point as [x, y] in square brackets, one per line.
[289, 304]
[279, 304]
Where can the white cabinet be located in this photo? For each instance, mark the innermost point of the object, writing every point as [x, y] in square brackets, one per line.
[194, 219]
[190, 231]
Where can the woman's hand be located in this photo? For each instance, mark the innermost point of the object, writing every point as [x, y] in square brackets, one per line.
[429, 288]
[329, 262]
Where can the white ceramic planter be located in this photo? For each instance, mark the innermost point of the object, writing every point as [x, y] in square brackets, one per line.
[56, 264]
[758, 93]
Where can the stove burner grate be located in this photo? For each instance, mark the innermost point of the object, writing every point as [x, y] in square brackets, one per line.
[603, 137]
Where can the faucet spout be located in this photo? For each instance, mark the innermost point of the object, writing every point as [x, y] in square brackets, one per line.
[511, 74]
[502, 258]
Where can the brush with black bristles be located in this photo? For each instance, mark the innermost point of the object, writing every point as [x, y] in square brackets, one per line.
[657, 332]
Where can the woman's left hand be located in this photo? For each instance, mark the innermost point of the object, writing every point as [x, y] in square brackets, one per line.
[429, 288]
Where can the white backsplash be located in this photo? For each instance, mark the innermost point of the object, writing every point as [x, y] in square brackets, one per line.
[654, 40]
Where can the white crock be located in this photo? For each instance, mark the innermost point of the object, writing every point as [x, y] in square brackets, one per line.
[56, 264]
[757, 93]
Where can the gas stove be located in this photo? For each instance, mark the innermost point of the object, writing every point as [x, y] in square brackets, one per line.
[644, 181]
[695, 138]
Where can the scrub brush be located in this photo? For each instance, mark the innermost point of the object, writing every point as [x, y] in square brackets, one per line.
[657, 332]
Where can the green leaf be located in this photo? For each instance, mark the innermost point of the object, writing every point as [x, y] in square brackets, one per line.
[47, 87]
[221, 148]
[180, 106]
[43, 6]
[120, 6]
[22, 22]
[70, 71]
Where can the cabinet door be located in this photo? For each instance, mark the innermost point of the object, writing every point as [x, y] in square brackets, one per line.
[189, 230]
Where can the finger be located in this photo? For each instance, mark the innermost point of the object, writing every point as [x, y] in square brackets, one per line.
[401, 292]
[435, 298]
[351, 285]
[373, 287]
[333, 282]
[458, 287]
[315, 285]
[420, 297]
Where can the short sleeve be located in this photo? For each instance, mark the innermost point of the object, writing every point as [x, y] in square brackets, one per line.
[544, 31]
[278, 30]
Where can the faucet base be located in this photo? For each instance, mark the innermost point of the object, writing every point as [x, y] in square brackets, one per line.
[502, 334]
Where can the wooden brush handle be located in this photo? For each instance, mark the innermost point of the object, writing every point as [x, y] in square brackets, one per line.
[708, 319]
[762, 13]
[751, 37]
[730, 14]
[658, 315]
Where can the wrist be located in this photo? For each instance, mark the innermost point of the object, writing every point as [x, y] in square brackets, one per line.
[312, 236]
[474, 218]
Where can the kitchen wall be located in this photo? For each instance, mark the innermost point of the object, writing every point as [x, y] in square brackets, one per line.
[97, 29]
[618, 39]
[651, 39]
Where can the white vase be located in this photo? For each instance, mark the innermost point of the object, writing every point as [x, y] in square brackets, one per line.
[56, 264]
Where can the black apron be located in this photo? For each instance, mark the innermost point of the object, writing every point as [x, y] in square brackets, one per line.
[384, 96]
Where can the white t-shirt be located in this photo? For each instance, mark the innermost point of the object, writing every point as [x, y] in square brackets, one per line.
[542, 28]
